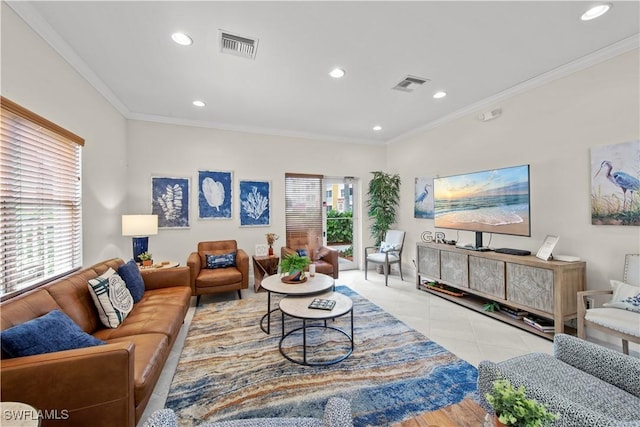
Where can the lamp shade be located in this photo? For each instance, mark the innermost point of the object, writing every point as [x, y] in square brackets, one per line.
[139, 225]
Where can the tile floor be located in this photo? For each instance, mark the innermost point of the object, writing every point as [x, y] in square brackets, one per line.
[470, 335]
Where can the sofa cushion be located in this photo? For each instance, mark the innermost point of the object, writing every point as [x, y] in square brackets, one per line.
[567, 390]
[625, 296]
[130, 273]
[55, 331]
[111, 298]
[151, 352]
[218, 277]
[147, 318]
[221, 260]
[624, 321]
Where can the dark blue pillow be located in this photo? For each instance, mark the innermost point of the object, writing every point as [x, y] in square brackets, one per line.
[55, 331]
[302, 252]
[130, 273]
[221, 261]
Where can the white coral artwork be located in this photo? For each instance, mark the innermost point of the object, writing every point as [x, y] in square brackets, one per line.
[171, 202]
[256, 204]
[213, 192]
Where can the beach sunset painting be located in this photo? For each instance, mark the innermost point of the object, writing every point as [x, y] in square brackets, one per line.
[493, 201]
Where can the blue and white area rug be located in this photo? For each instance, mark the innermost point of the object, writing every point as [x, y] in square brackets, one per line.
[230, 369]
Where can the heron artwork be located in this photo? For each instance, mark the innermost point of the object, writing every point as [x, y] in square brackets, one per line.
[620, 179]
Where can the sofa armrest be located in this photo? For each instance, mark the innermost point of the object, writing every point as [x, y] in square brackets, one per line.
[157, 278]
[609, 365]
[242, 263]
[87, 386]
[285, 252]
[337, 413]
[195, 265]
[332, 258]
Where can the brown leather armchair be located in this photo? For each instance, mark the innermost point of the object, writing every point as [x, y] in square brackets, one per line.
[325, 259]
[214, 280]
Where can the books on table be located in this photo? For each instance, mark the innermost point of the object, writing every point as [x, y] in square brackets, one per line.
[322, 304]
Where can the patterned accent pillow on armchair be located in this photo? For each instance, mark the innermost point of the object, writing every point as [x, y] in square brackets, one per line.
[221, 260]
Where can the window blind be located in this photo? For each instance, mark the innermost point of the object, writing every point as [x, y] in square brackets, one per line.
[40, 200]
[303, 211]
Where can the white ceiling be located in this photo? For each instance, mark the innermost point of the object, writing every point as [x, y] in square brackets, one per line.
[476, 51]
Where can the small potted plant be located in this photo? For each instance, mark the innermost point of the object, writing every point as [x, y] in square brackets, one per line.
[512, 407]
[293, 266]
[145, 257]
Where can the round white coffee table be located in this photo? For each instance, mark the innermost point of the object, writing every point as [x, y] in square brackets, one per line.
[298, 307]
[272, 284]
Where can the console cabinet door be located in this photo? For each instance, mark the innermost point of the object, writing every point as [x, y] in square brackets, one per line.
[487, 276]
[530, 286]
[454, 268]
[429, 262]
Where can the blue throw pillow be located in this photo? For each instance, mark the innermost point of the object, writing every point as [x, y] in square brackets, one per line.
[302, 252]
[55, 331]
[130, 273]
[221, 261]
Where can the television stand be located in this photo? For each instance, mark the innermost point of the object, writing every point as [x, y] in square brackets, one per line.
[545, 288]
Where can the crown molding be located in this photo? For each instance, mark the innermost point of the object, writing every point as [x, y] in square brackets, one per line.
[601, 55]
[250, 129]
[33, 18]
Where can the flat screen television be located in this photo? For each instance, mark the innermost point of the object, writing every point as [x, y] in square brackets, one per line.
[492, 201]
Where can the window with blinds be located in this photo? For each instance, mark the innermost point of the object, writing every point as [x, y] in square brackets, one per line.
[303, 211]
[40, 200]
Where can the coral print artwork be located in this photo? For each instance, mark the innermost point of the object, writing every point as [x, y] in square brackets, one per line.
[170, 201]
[255, 203]
[214, 194]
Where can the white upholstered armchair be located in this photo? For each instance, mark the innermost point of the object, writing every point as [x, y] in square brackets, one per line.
[389, 252]
[620, 316]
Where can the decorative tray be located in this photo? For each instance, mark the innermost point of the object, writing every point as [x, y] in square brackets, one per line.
[293, 282]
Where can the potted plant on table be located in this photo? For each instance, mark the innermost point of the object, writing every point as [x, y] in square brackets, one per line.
[512, 407]
[293, 266]
[146, 259]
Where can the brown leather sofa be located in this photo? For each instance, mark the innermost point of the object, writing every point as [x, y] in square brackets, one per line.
[214, 280]
[325, 259]
[106, 385]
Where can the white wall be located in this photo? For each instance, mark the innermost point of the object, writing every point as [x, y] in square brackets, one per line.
[157, 149]
[552, 129]
[37, 78]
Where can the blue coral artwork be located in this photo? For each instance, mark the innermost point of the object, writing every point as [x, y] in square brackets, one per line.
[214, 194]
[170, 201]
[255, 203]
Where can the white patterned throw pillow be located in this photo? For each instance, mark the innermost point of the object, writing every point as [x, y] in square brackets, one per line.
[111, 297]
[625, 296]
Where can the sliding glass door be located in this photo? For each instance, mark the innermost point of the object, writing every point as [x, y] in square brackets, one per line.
[340, 218]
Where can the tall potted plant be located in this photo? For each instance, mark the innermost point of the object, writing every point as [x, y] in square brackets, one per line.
[384, 198]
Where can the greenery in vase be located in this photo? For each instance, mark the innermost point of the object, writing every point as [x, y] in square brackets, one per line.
[514, 409]
[294, 262]
[144, 256]
[384, 198]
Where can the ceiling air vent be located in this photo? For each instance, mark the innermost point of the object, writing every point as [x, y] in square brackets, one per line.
[409, 83]
[235, 44]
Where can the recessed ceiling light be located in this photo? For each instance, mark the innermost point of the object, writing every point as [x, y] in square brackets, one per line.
[440, 94]
[181, 39]
[595, 12]
[198, 103]
[377, 128]
[336, 73]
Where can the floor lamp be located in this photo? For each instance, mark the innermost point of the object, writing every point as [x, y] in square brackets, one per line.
[140, 227]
